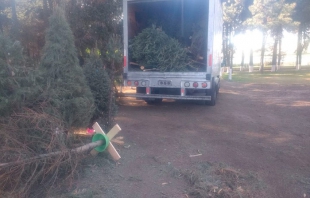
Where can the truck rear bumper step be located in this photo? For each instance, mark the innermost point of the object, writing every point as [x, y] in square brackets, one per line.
[175, 97]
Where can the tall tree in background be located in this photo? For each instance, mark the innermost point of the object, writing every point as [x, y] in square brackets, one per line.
[33, 16]
[26, 21]
[261, 10]
[234, 12]
[251, 61]
[242, 60]
[93, 22]
[15, 22]
[4, 19]
[280, 18]
[12, 73]
[67, 95]
[302, 15]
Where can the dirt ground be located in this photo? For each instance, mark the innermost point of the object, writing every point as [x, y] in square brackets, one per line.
[254, 128]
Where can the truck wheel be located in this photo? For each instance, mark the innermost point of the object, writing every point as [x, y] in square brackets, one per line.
[213, 93]
[152, 102]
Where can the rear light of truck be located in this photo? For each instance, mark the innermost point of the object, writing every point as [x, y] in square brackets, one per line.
[186, 84]
[195, 84]
[128, 83]
[204, 85]
[136, 83]
[182, 92]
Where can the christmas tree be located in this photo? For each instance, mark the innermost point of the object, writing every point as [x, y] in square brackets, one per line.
[101, 86]
[66, 92]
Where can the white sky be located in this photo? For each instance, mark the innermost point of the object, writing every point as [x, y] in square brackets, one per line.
[253, 39]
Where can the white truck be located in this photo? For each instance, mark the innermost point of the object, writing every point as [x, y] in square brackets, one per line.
[178, 18]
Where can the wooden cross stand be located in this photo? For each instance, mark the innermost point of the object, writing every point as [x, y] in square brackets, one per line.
[111, 134]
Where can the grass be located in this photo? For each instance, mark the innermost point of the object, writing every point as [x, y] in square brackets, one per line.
[279, 77]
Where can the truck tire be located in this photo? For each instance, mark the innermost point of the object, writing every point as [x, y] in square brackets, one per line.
[155, 101]
[213, 93]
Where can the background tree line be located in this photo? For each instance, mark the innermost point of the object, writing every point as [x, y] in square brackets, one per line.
[271, 17]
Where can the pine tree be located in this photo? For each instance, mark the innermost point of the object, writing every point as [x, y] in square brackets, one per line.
[234, 13]
[260, 11]
[67, 94]
[280, 19]
[101, 86]
[302, 16]
[17, 80]
[4, 18]
[271, 16]
[11, 61]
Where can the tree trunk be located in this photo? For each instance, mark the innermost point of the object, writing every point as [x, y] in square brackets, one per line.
[77, 150]
[50, 4]
[224, 45]
[111, 96]
[1, 25]
[231, 53]
[299, 48]
[45, 11]
[251, 61]
[45, 5]
[242, 61]
[262, 55]
[14, 29]
[274, 53]
[227, 47]
[280, 51]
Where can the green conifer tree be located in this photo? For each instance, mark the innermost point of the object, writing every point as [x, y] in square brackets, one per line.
[66, 92]
[154, 49]
[101, 86]
[17, 86]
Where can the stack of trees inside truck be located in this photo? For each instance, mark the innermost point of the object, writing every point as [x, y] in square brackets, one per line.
[172, 49]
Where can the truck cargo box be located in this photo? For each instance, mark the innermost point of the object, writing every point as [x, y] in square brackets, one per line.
[172, 48]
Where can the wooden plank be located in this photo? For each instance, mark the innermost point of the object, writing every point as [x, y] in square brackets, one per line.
[114, 154]
[119, 138]
[117, 141]
[98, 129]
[113, 132]
[111, 149]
